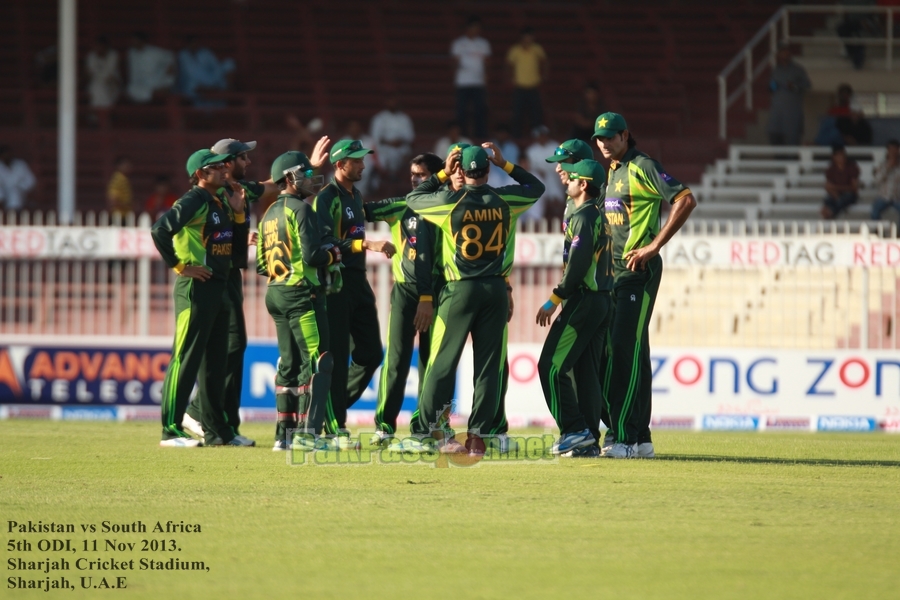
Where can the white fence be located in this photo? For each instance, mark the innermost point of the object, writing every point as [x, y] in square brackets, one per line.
[726, 284]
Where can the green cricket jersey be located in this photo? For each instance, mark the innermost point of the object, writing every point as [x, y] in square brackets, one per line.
[587, 251]
[340, 214]
[477, 223]
[198, 230]
[290, 247]
[403, 223]
[252, 192]
[636, 187]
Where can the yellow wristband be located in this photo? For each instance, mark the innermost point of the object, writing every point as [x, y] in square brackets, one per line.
[555, 299]
[508, 167]
[240, 218]
[356, 246]
[442, 176]
[179, 267]
[426, 299]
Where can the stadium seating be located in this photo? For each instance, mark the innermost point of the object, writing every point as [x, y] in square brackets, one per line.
[655, 61]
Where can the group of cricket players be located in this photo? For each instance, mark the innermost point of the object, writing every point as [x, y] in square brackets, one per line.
[452, 249]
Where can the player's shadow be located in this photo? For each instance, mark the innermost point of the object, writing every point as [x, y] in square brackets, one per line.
[818, 462]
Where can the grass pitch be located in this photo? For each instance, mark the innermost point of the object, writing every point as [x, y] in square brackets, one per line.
[716, 515]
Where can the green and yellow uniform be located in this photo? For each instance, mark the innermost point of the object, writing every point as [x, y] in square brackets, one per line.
[288, 253]
[637, 185]
[198, 230]
[405, 297]
[477, 225]
[351, 311]
[574, 344]
[237, 328]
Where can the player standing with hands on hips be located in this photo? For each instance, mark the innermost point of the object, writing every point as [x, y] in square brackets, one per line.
[636, 188]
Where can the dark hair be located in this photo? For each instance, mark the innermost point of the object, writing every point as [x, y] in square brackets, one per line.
[452, 123]
[141, 35]
[194, 179]
[122, 158]
[476, 173]
[430, 161]
[102, 39]
[473, 20]
[631, 141]
[593, 190]
[527, 31]
[893, 142]
[837, 149]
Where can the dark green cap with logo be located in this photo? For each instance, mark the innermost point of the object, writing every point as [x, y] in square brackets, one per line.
[457, 146]
[473, 158]
[609, 124]
[576, 149]
[288, 161]
[345, 149]
[203, 158]
[589, 170]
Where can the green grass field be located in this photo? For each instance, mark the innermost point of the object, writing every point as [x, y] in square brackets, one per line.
[716, 515]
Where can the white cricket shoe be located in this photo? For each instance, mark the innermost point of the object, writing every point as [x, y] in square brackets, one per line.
[645, 450]
[622, 451]
[180, 442]
[189, 423]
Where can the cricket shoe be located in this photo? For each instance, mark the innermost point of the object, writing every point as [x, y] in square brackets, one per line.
[609, 440]
[622, 451]
[189, 423]
[180, 442]
[410, 445]
[345, 442]
[280, 446]
[451, 446]
[584, 452]
[237, 441]
[502, 443]
[309, 442]
[570, 441]
[645, 450]
[381, 438]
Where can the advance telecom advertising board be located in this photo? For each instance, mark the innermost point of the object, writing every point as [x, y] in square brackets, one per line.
[693, 388]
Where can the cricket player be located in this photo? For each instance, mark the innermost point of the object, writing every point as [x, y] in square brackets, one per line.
[410, 299]
[579, 333]
[289, 252]
[236, 171]
[195, 238]
[478, 232]
[636, 187]
[352, 316]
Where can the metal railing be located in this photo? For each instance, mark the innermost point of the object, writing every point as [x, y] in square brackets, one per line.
[776, 31]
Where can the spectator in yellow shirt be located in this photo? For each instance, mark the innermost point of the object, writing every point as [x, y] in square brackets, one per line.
[529, 68]
[118, 191]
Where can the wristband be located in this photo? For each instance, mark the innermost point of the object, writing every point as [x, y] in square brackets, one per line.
[548, 305]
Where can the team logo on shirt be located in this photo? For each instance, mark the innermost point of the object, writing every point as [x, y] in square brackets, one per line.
[215, 217]
[349, 212]
[412, 223]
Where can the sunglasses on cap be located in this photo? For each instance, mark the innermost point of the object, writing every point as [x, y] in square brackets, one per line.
[563, 152]
[577, 176]
[214, 167]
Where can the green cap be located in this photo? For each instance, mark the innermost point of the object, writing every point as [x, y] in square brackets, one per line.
[576, 149]
[473, 158]
[609, 124]
[589, 170]
[288, 161]
[457, 146]
[202, 158]
[345, 149]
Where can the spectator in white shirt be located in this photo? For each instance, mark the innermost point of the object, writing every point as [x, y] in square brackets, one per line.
[393, 133]
[453, 136]
[887, 178]
[104, 78]
[469, 53]
[151, 70]
[510, 151]
[554, 194]
[16, 180]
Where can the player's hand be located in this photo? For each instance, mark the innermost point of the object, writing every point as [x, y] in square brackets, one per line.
[639, 257]
[388, 248]
[198, 272]
[497, 156]
[452, 162]
[545, 315]
[424, 316]
[320, 152]
[252, 238]
[237, 200]
[511, 305]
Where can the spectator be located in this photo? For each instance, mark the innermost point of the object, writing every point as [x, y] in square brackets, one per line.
[529, 68]
[841, 184]
[162, 198]
[452, 136]
[887, 179]
[46, 62]
[16, 180]
[469, 52]
[151, 70]
[199, 70]
[118, 191]
[788, 84]
[303, 138]
[588, 109]
[104, 79]
[849, 121]
[552, 203]
[392, 133]
[510, 151]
